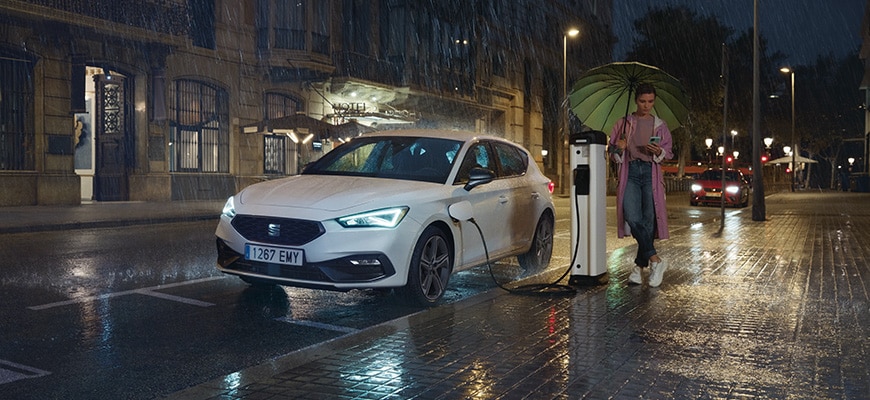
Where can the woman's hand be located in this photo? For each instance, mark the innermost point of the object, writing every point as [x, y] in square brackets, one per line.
[621, 144]
[653, 148]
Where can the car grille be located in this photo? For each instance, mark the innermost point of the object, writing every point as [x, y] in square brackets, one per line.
[281, 231]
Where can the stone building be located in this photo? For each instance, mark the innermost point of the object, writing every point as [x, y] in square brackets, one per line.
[158, 100]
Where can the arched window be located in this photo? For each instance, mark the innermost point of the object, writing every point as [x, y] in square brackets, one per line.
[199, 139]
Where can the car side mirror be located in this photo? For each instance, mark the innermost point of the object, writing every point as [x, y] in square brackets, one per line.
[478, 176]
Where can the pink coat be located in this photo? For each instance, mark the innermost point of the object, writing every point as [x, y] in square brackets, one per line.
[658, 187]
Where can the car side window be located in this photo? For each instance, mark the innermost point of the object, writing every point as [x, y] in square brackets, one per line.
[513, 162]
[478, 155]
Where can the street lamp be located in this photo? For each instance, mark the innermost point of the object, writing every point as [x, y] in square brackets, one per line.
[767, 142]
[790, 71]
[563, 183]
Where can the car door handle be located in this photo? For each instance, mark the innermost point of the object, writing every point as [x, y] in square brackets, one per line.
[502, 199]
[536, 195]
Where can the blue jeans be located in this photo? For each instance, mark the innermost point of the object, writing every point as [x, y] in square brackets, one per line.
[638, 209]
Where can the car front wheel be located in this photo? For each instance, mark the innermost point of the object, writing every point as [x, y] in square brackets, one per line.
[538, 256]
[429, 272]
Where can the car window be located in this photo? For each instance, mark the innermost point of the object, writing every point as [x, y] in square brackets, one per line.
[479, 155]
[411, 158]
[513, 161]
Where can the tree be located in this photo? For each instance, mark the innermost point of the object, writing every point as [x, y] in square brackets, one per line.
[689, 47]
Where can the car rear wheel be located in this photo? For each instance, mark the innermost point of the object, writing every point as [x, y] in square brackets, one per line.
[538, 256]
[429, 272]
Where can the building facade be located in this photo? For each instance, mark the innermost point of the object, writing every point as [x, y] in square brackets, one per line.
[158, 100]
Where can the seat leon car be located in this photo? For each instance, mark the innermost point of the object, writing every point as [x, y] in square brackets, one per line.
[392, 210]
[707, 188]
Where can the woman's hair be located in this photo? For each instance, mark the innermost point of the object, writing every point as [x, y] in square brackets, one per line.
[644, 88]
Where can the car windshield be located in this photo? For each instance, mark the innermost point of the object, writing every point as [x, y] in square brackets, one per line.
[713, 175]
[411, 158]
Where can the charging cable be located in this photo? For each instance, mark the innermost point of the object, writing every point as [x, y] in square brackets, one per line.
[543, 289]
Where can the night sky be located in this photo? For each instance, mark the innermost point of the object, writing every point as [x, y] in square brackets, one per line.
[801, 29]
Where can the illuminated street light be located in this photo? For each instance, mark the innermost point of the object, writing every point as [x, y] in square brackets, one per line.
[563, 182]
[767, 142]
[709, 143]
[790, 71]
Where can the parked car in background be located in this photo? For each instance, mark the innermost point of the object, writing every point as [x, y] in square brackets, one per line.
[392, 210]
[707, 188]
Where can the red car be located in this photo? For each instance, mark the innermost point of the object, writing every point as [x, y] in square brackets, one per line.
[707, 188]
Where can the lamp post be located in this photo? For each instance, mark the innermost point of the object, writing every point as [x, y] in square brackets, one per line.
[709, 143]
[790, 72]
[563, 182]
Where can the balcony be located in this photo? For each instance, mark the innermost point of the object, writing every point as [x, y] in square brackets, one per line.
[159, 16]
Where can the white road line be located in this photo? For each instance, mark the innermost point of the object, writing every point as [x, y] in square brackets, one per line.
[319, 325]
[146, 291]
[175, 298]
[14, 371]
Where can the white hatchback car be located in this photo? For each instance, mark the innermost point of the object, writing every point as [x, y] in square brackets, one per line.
[394, 209]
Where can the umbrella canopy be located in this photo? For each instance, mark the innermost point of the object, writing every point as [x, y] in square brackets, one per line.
[605, 94]
[787, 159]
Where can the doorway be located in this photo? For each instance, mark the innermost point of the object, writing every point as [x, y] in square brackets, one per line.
[103, 136]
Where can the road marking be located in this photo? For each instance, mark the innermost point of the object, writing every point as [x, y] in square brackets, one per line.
[319, 325]
[11, 372]
[149, 291]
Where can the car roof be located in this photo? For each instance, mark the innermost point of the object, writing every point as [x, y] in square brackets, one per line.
[464, 136]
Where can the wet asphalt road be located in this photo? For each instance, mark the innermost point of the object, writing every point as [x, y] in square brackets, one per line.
[139, 312]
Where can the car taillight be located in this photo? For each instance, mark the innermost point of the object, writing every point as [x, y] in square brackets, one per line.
[551, 186]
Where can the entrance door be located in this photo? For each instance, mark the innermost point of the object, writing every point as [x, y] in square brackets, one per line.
[110, 120]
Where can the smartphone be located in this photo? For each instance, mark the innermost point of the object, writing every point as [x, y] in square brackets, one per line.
[655, 139]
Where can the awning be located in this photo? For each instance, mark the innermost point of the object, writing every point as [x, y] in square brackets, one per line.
[787, 159]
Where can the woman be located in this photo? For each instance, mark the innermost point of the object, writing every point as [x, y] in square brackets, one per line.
[639, 143]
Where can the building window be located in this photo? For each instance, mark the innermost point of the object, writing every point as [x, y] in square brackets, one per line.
[290, 25]
[320, 27]
[16, 113]
[199, 131]
[274, 155]
[202, 23]
[275, 146]
[280, 105]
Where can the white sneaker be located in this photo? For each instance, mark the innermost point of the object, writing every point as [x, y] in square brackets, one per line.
[635, 276]
[658, 272]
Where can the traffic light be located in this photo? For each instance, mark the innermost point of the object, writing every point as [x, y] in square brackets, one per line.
[729, 159]
[763, 158]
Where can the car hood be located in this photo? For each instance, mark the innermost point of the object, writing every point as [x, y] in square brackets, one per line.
[331, 192]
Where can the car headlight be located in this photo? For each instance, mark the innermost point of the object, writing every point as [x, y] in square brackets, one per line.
[386, 218]
[696, 187]
[229, 208]
[732, 189]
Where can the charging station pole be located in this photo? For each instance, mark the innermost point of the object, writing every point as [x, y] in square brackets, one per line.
[588, 207]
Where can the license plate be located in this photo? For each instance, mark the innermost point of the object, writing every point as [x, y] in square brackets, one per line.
[274, 255]
[714, 194]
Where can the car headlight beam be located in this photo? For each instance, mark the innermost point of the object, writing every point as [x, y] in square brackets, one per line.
[696, 187]
[385, 218]
[732, 189]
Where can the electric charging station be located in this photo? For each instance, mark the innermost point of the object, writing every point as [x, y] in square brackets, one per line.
[588, 207]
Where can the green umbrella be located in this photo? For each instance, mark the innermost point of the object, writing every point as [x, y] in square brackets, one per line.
[605, 94]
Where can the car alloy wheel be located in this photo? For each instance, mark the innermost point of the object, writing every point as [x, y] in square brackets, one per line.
[538, 256]
[431, 265]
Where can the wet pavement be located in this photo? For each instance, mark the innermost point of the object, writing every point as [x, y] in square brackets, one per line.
[773, 309]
